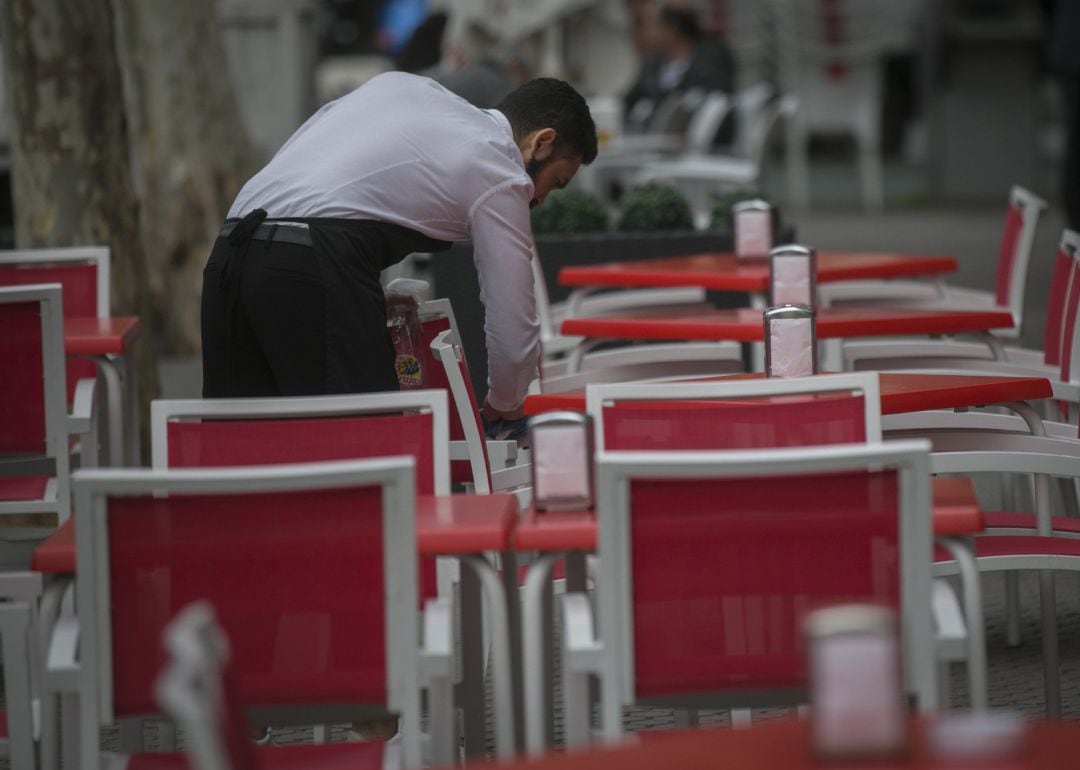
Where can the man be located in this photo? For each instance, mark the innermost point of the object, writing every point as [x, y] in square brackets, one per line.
[678, 62]
[292, 303]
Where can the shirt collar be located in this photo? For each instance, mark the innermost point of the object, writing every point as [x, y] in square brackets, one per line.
[504, 124]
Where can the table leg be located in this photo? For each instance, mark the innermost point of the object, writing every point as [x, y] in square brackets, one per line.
[534, 634]
[470, 691]
[502, 678]
[132, 410]
[508, 560]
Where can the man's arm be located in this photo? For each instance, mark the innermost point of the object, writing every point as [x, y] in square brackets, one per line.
[502, 250]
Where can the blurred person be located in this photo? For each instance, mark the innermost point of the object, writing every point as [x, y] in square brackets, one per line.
[423, 49]
[679, 62]
[292, 303]
[1065, 60]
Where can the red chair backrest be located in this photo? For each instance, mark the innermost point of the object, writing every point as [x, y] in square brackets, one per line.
[79, 282]
[221, 443]
[1068, 326]
[304, 611]
[1010, 243]
[725, 570]
[1063, 295]
[22, 392]
[743, 424]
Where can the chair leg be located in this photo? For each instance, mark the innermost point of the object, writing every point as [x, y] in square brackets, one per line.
[577, 719]
[685, 718]
[1012, 608]
[166, 731]
[1048, 601]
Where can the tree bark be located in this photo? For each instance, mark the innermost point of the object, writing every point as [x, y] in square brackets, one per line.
[189, 151]
[71, 175]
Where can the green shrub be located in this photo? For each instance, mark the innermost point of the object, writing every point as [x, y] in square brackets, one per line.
[569, 211]
[655, 206]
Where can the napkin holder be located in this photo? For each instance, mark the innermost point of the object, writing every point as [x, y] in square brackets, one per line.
[858, 709]
[561, 445]
[793, 276]
[790, 341]
[752, 227]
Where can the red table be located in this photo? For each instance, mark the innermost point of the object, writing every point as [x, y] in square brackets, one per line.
[745, 324]
[723, 272]
[786, 746]
[445, 526]
[900, 393]
[110, 342]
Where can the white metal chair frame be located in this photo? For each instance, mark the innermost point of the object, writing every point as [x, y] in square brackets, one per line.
[19, 596]
[59, 424]
[609, 653]
[409, 665]
[120, 380]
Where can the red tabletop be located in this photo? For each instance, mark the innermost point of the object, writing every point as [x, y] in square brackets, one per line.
[745, 324]
[100, 336]
[956, 512]
[900, 393]
[446, 525]
[786, 745]
[723, 272]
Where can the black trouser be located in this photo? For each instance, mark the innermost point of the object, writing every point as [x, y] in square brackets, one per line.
[283, 318]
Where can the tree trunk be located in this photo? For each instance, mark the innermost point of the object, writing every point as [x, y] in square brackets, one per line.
[71, 176]
[190, 152]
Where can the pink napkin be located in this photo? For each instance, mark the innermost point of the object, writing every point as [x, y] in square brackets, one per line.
[791, 280]
[791, 347]
[560, 464]
[753, 234]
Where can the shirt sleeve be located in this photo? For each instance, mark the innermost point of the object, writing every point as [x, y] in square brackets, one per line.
[502, 252]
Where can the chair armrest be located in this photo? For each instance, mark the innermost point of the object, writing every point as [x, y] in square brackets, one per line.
[508, 478]
[437, 650]
[62, 646]
[583, 649]
[81, 419]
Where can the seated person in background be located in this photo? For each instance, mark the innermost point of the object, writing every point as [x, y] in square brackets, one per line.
[679, 68]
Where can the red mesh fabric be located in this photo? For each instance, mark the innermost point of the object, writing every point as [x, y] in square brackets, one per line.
[1010, 240]
[217, 443]
[747, 424]
[79, 283]
[22, 487]
[296, 580]
[1055, 308]
[268, 442]
[725, 570]
[1068, 328]
[22, 397]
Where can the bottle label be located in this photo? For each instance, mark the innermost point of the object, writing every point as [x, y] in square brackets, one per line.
[408, 371]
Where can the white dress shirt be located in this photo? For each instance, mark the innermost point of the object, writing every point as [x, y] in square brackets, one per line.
[402, 149]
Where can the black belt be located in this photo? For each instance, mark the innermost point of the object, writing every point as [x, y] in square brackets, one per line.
[287, 232]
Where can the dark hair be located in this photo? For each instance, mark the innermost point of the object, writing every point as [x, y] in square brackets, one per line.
[683, 20]
[423, 49]
[551, 103]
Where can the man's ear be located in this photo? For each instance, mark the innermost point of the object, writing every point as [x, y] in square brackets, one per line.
[542, 143]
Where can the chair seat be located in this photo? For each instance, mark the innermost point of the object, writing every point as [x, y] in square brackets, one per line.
[1005, 520]
[1019, 545]
[22, 487]
[328, 756]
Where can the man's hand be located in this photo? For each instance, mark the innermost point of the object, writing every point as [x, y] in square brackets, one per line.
[492, 415]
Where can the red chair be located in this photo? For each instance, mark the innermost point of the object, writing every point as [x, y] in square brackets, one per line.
[286, 539]
[1014, 256]
[708, 561]
[84, 274]
[36, 439]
